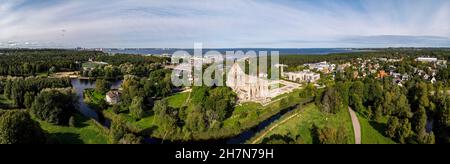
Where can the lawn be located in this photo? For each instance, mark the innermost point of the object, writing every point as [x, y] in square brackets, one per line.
[42, 74]
[371, 135]
[136, 126]
[86, 132]
[178, 100]
[252, 113]
[93, 95]
[301, 125]
[244, 116]
[93, 98]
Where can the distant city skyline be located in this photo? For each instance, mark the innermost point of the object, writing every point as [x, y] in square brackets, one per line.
[224, 24]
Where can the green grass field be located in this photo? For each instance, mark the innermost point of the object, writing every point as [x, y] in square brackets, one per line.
[370, 135]
[178, 100]
[93, 96]
[86, 132]
[301, 125]
[244, 116]
[253, 113]
[42, 74]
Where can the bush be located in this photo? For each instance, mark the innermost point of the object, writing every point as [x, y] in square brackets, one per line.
[115, 109]
[137, 108]
[331, 101]
[55, 106]
[329, 135]
[131, 139]
[17, 127]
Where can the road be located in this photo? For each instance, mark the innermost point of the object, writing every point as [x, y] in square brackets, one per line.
[356, 125]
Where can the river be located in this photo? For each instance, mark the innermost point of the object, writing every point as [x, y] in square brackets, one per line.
[243, 137]
[80, 86]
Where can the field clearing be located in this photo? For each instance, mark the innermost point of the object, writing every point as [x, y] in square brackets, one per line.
[86, 132]
[370, 134]
[300, 126]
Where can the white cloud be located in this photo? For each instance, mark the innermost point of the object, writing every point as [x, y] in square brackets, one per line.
[217, 23]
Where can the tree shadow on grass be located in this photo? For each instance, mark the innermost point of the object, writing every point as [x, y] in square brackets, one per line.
[81, 121]
[380, 127]
[148, 131]
[66, 138]
[278, 139]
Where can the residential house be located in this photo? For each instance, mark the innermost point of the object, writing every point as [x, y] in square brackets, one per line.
[113, 97]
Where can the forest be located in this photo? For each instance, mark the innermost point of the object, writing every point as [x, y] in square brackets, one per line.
[30, 62]
[417, 112]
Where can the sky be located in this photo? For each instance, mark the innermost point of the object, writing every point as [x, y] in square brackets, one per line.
[224, 23]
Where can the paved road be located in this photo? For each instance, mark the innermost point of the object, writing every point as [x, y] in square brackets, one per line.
[356, 126]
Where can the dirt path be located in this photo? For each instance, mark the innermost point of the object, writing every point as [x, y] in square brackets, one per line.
[356, 126]
[273, 127]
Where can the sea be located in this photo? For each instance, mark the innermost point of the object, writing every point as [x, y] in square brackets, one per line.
[282, 51]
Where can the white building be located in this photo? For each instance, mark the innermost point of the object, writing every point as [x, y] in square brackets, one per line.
[113, 97]
[433, 80]
[324, 66]
[426, 59]
[303, 76]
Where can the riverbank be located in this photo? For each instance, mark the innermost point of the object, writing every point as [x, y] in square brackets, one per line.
[298, 126]
[245, 121]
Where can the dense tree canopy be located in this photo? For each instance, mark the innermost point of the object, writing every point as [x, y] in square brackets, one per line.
[16, 88]
[137, 108]
[30, 62]
[55, 105]
[17, 127]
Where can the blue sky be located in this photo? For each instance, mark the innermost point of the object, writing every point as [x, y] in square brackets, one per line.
[224, 24]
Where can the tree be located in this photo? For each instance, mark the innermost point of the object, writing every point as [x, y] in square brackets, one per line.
[220, 103]
[444, 111]
[195, 119]
[159, 83]
[419, 124]
[378, 114]
[116, 109]
[131, 139]
[329, 135]
[7, 88]
[72, 121]
[420, 121]
[331, 101]
[137, 108]
[28, 100]
[102, 104]
[102, 86]
[117, 130]
[403, 109]
[356, 102]
[392, 126]
[17, 127]
[278, 139]
[404, 132]
[55, 106]
[166, 117]
[309, 91]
